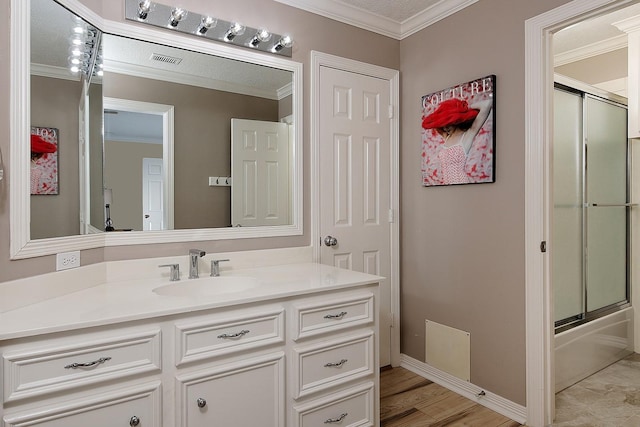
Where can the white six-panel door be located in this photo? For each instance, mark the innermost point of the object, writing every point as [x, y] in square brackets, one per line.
[152, 192]
[259, 173]
[354, 173]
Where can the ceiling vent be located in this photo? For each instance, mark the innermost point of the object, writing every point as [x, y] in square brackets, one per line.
[166, 59]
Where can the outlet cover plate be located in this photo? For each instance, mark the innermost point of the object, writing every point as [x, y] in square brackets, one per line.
[67, 260]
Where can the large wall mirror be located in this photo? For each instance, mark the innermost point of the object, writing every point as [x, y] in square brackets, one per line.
[162, 138]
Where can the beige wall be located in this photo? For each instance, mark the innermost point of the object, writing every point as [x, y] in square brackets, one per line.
[202, 141]
[462, 247]
[55, 104]
[124, 177]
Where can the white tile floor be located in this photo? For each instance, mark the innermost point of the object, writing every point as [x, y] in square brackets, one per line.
[609, 398]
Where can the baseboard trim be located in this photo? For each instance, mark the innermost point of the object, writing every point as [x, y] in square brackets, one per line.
[470, 391]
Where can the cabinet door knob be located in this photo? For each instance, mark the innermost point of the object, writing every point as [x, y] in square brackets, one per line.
[134, 421]
[201, 402]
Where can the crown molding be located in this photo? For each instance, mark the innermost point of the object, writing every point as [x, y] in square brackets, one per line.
[186, 79]
[431, 15]
[53, 72]
[591, 50]
[379, 24]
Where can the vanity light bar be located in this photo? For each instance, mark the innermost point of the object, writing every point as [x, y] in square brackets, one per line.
[234, 33]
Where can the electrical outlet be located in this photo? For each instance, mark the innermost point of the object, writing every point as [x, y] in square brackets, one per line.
[67, 260]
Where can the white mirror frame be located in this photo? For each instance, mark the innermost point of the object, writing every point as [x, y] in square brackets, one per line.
[21, 245]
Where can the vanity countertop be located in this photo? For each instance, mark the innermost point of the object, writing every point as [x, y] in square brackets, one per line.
[122, 301]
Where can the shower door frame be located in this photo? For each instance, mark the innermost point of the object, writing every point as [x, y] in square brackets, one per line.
[585, 91]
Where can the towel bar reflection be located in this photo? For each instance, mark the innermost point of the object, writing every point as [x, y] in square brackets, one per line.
[219, 181]
[608, 205]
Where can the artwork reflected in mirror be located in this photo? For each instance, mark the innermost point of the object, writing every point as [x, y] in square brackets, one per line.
[44, 160]
[204, 93]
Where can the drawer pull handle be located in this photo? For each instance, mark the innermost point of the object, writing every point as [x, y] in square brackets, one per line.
[236, 335]
[336, 365]
[87, 365]
[134, 421]
[201, 402]
[336, 316]
[336, 420]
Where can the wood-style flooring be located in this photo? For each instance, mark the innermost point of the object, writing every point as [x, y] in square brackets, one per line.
[409, 400]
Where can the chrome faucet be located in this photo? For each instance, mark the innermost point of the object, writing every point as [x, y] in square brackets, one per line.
[194, 254]
[215, 266]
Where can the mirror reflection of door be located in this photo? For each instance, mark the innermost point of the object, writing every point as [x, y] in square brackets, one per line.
[260, 152]
[152, 194]
[133, 147]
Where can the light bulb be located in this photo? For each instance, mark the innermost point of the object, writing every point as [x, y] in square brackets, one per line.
[177, 15]
[285, 41]
[236, 29]
[206, 23]
[143, 9]
[261, 36]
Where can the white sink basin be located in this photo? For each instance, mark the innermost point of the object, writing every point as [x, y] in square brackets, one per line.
[210, 286]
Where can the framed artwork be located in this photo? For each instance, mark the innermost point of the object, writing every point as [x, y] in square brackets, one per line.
[44, 160]
[458, 138]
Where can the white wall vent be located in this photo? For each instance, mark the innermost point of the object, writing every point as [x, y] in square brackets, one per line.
[166, 59]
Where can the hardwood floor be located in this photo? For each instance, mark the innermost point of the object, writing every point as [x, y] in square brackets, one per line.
[409, 400]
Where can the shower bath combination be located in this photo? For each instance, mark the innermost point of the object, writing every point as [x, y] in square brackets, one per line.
[591, 233]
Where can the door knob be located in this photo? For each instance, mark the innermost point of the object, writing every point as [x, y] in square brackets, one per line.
[330, 241]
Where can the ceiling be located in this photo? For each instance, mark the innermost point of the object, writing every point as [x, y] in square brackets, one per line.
[393, 18]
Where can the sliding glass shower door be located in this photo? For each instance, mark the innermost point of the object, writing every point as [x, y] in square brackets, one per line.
[590, 216]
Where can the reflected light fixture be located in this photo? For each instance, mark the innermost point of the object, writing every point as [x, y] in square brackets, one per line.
[206, 23]
[285, 41]
[177, 15]
[236, 29]
[143, 9]
[262, 35]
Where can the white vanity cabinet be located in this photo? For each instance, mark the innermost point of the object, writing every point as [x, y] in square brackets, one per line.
[231, 367]
[298, 358]
[334, 367]
[101, 378]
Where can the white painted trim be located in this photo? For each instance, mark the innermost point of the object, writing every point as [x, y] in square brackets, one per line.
[538, 113]
[167, 113]
[19, 125]
[433, 14]
[185, 79]
[591, 50]
[360, 18]
[53, 72]
[319, 59]
[21, 245]
[490, 400]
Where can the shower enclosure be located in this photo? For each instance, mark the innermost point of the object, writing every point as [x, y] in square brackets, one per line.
[590, 234]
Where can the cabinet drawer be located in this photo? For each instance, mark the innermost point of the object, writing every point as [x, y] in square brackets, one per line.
[221, 336]
[327, 316]
[240, 394]
[32, 372]
[120, 408]
[332, 363]
[350, 408]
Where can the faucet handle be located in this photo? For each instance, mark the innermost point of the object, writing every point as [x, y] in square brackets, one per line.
[215, 266]
[174, 271]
